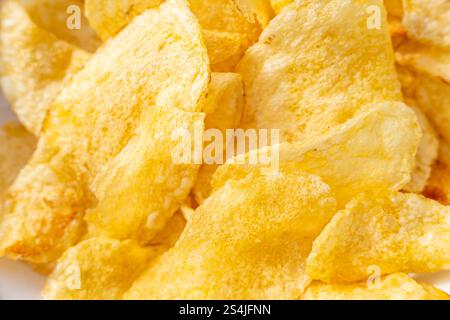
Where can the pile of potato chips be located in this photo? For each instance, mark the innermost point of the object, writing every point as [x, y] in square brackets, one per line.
[359, 91]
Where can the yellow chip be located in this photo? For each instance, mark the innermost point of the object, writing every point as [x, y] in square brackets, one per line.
[106, 144]
[229, 26]
[277, 5]
[16, 148]
[97, 269]
[428, 21]
[426, 154]
[438, 186]
[430, 60]
[394, 7]
[65, 19]
[315, 65]
[223, 110]
[247, 241]
[34, 65]
[396, 286]
[432, 95]
[382, 235]
[364, 154]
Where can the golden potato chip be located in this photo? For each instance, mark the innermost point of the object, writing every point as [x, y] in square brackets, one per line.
[396, 233]
[394, 7]
[428, 21]
[396, 286]
[315, 64]
[65, 19]
[229, 26]
[430, 60]
[426, 154]
[432, 95]
[223, 109]
[364, 154]
[241, 242]
[16, 147]
[277, 5]
[438, 186]
[34, 65]
[106, 144]
[97, 269]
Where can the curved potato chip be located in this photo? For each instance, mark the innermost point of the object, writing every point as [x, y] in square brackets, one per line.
[112, 122]
[97, 269]
[223, 109]
[364, 154]
[34, 65]
[277, 5]
[241, 242]
[428, 21]
[430, 60]
[16, 147]
[396, 233]
[65, 19]
[396, 286]
[296, 82]
[438, 187]
[426, 154]
[229, 28]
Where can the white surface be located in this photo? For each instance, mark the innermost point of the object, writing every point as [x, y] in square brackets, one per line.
[18, 281]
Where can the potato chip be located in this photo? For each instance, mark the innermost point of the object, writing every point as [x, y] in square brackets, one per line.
[428, 21]
[396, 286]
[34, 65]
[277, 5]
[364, 154]
[65, 19]
[438, 186]
[426, 59]
[382, 235]
[106, 144]
[432, 95]
[426, 154]
[241, 242]
[223, 110]
[16, 148]
[434, 293]
[394, 7]
[314, 65]
[229, 27]
[97, 269]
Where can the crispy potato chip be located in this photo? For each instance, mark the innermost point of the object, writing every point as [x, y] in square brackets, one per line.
[430, 60]
[396, 286]
[428, 21]
[65, 19]
[396, 233]
[229, 28]
[394, 7]
[432, 95]
[16, 147]
[294, 79]
[97, 269]
[34, 65]
[241, 242]
[438, 187]
[277, 5]
[223, 110]
[426, 154]
[364, 154]
[106, 144]
[106, 268]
